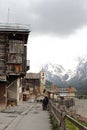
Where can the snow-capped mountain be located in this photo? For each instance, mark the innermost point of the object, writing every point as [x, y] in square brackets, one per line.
[54, 69]
[80, 79]
[82, 68]
[69, 75]
[57, 74]
[77, 78]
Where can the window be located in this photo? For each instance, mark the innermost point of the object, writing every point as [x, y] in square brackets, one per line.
[15, 58]
[42, 74]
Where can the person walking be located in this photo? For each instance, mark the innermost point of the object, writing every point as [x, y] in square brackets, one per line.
[45, 103]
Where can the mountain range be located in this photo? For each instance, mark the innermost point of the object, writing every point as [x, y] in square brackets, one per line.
[57, 75]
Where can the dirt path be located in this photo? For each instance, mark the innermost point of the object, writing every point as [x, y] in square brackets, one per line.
[81, 107]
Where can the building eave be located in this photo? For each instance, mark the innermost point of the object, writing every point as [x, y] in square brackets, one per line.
[14, 28]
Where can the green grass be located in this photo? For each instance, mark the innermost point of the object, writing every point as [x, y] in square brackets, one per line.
[84, 124]
[70, 125]
[81, 122]
[54, 123]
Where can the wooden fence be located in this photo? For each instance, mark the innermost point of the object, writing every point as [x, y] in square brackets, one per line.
[60, 117]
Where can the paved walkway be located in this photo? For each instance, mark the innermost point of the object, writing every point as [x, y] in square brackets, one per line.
[13, 116]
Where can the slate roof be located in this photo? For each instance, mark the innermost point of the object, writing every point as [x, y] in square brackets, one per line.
[32, 76]
[14, 27]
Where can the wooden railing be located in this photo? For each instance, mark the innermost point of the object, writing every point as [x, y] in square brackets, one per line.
[60, 117]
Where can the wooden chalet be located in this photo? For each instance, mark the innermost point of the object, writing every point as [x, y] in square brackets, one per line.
[13, 62]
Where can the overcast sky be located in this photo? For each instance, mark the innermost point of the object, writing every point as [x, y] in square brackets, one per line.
[58, 29]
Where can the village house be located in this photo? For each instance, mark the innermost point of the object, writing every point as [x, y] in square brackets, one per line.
[13, 63]
[62, 93]
[36, 83]
[63, 96]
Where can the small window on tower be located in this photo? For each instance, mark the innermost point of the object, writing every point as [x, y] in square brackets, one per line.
[42, 74]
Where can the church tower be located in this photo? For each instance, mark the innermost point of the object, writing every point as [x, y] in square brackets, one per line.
[42, 80]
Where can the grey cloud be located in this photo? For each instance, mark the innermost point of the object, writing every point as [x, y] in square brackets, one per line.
[60, 17]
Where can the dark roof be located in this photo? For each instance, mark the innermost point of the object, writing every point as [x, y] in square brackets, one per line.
[8, 27]
[32, 76]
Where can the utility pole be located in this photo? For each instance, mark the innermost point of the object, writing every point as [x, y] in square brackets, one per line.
[8, 16]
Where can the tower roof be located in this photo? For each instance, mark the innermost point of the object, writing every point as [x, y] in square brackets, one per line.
[42, 70]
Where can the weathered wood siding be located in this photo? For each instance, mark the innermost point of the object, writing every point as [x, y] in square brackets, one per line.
[3, 96]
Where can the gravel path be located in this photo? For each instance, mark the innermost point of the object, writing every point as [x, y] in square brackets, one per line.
[81, 107]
